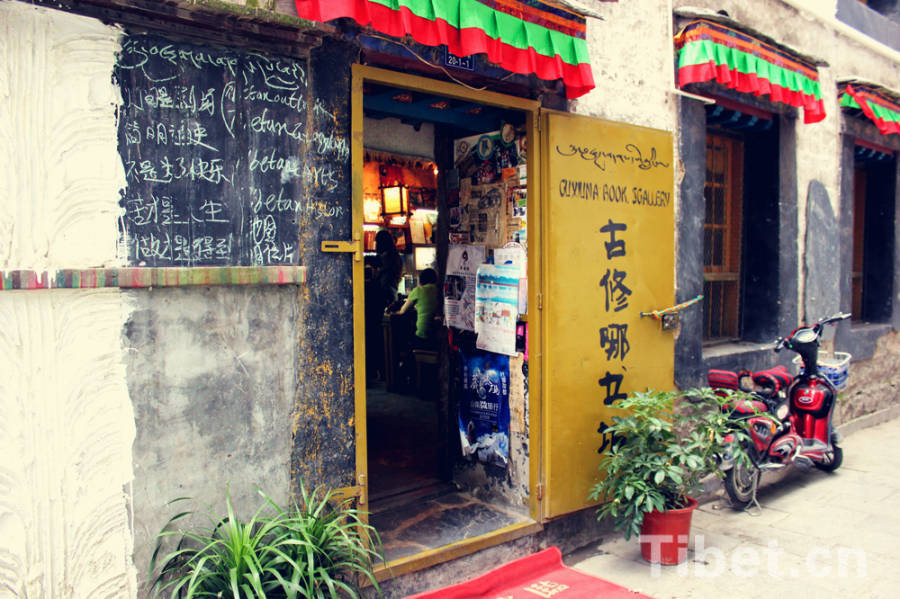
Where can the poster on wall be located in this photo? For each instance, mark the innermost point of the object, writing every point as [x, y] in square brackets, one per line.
[496, 308]
[459, 285]
[484, 408]
[483, 214]
[514, 254]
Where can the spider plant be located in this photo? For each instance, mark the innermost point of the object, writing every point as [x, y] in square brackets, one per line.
[316, 549]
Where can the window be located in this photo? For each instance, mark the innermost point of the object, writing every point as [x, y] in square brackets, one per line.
[871, 279]
[859, 219]
[722, 236]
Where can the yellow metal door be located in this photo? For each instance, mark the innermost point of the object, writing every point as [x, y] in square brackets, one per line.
[608, 256]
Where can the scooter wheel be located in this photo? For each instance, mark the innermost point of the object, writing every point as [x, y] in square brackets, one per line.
[833, 462]
[740, 484]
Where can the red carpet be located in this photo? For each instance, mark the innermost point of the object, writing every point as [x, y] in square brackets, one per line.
[538, 576]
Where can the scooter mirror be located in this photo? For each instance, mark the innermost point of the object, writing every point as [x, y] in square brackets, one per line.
[804, 336]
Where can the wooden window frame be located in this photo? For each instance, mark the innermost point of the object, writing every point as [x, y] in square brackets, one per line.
[722, 281]
[859, 228]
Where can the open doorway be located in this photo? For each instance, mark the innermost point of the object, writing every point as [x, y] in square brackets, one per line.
[444, 192]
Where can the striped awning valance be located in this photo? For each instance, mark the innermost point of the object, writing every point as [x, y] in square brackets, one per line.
[876, 105]
[523, 36]
[709, 51]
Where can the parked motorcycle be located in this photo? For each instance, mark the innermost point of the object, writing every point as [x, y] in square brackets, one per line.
[789, 419]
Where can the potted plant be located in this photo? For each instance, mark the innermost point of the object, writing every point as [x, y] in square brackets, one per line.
[661, 451]
[316, 549]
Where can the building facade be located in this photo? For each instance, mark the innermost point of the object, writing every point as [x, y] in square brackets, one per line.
[184, 240]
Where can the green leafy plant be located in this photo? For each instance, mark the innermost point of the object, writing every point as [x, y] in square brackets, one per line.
[661, 452]
[317, 549]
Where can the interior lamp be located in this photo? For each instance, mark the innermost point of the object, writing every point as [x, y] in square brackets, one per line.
[394, 200]
[372, 209]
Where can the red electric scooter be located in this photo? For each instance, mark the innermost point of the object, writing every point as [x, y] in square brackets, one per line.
[788, 418]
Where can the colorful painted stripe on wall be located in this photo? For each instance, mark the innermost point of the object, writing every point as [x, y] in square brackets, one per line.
[882, 111]
[91, 278]
[522, 36]
[712, 52]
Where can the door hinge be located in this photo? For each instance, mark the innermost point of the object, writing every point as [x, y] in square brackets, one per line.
[539, 492]
[363, 497]
[540, 301]
[354, 246]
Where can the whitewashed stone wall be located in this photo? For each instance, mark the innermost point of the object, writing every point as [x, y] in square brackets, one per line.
[631, 58]
[66, 421]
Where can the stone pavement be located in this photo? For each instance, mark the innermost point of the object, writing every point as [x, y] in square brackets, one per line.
[817, 535]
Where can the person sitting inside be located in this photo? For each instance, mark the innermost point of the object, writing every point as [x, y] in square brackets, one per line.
[424, 298]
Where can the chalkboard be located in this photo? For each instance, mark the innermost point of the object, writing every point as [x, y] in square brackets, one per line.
[218, 157]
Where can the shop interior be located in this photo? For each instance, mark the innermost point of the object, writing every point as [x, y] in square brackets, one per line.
[444, 202]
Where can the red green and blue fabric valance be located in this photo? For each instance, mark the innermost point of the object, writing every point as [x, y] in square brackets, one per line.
[709, 51]
[882, 111]
[522, 36]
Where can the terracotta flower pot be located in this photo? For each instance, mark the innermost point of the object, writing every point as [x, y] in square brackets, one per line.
[664, 535]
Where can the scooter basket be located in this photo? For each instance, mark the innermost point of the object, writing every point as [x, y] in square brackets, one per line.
[836, 368]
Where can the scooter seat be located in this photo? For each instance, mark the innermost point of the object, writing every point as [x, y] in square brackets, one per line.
[774, 378]
[722, 379]
[766, 383]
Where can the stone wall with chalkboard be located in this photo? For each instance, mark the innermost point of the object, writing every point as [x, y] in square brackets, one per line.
[219, 158]
[236, 157]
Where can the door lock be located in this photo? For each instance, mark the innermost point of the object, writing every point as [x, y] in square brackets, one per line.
[354, 246]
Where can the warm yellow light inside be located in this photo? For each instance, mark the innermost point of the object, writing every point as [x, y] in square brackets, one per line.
[372, 209]
[394, 200]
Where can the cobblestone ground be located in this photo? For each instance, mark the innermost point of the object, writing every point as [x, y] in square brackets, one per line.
[816, 535]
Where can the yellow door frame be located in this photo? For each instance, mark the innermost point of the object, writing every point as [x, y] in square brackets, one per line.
[360, 75]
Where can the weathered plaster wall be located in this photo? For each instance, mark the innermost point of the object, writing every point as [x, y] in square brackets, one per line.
[66, 421]
[60, 173]
[824, 8]
[66, 428]
[631, 58]
[873, 383]
[210, 374]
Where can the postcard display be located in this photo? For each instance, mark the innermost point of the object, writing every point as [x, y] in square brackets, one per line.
[485, 284]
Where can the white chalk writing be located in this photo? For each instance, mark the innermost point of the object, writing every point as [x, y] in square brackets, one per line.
[220, 165]
[167, 171]
[182, 250]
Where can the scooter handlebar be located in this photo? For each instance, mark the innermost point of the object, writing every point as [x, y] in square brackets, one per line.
[835, 318]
